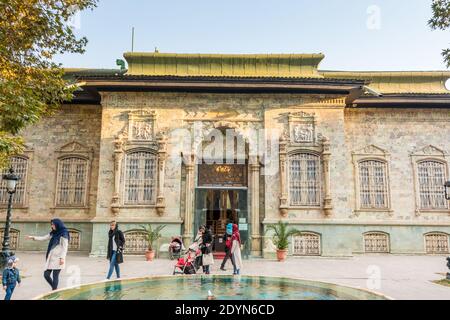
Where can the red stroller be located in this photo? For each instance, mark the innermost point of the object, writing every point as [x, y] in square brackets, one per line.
[188, 264]
[175, 248]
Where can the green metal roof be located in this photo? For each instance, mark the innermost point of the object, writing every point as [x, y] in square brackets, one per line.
[235, 65]
[406, 82]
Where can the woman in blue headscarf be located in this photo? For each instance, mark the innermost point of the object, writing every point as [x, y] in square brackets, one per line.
[56, 251]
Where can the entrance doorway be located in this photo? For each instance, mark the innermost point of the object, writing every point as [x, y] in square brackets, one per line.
[215, 207]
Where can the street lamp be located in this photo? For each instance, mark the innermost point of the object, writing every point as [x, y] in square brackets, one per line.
[447, 190]
[11, 180]
[447, 197]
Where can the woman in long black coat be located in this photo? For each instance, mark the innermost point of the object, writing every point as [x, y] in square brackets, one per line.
[206, 249]
[115, 249]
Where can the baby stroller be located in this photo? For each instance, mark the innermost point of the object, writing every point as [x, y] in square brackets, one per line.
[175, 248]
[188, 264]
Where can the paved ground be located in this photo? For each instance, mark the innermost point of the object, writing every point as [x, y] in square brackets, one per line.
[400, 277]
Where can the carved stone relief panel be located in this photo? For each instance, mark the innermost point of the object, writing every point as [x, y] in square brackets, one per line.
[141, 125]
[302, 128]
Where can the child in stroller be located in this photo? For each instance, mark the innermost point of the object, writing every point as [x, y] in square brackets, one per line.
[175, 248]
[190, 263]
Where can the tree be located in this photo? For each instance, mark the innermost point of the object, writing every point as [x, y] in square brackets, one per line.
[441, 20]
[31, 84]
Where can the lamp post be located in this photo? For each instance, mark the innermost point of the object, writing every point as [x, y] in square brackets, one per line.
[447, 190]
[11, 181]
[447, 197]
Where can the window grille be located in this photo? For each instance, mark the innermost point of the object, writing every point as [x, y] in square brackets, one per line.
[307, 244]
[140, 179]
[436, 243]
[75, 240]
[304, 179]
[135, 242]
[373, 184]
[431, 177]
[72, 182]
[13, 238]
[20, 166]
[376, 242]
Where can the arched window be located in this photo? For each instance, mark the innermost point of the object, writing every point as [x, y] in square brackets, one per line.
[72, 182]
[75, 239]
[373, 187]
[436, 243]
[307, 244]
[135, 242]
[140, 178]
[304, 179]
[376, 242]
[13, 238]
[20, 166]
[431, 179]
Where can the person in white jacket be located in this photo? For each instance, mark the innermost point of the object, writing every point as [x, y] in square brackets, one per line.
[56, 251]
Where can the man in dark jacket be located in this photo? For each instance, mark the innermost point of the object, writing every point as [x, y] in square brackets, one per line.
[115, 249]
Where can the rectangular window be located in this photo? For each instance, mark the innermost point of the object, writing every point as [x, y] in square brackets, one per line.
[431, 178]
[373, 187]
[72, 182]
[20, 166]
[304, 180]
[140, 178]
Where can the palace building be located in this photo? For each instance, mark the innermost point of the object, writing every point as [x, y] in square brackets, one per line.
[356, 161]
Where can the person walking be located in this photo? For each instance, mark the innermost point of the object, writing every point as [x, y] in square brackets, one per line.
[206, 248]
[56, 251]
[236, 250]
[227, 239]
[10, 277]
[115, 249]
[196, 245]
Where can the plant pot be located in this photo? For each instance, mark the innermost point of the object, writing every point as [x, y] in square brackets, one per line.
[149, 255]
[281, 255]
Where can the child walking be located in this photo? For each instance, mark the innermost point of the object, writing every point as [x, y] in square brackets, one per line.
[10, 278]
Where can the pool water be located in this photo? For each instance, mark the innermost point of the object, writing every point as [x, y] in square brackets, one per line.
[222, 287]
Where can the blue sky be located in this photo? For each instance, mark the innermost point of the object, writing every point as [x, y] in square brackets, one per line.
[353, 34]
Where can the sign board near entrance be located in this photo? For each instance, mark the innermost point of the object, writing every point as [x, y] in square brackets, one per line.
[226, 175]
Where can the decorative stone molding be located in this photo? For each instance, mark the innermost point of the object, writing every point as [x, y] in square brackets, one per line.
[162, 156]
[254, 176]
[189, 163]
[301, 137]
[302, 127]
[141, 125]
[420, 155]
[139, 135]
[283, 209]
[367, 153]
[326, 154]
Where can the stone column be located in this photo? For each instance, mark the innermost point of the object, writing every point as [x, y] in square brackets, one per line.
[189, 200]
[118, 157]
[255, 234]
[283, 209]
[327, 205]
[160, 200]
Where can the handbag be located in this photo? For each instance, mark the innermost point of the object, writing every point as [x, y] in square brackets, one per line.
[207, 259]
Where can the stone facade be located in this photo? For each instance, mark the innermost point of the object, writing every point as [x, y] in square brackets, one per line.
[319, 123]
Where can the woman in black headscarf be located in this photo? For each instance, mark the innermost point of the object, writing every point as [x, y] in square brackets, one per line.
[56, 251]
[207, 256]
[115, 249]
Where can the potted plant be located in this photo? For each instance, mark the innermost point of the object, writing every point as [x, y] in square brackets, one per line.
[152, 236]
[280, 237]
